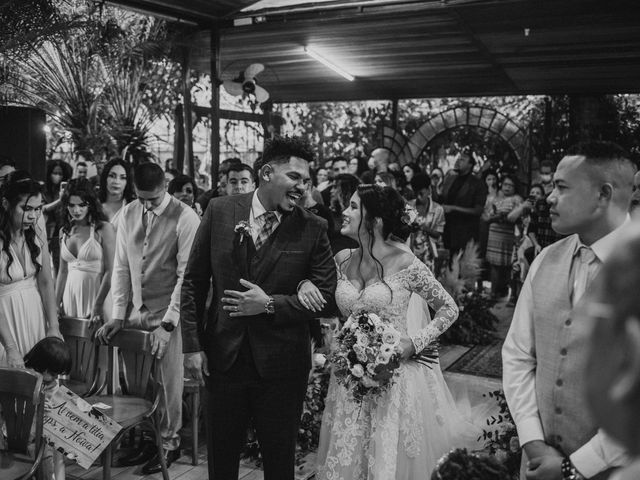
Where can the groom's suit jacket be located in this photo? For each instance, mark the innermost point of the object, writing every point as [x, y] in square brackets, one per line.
[298, 249]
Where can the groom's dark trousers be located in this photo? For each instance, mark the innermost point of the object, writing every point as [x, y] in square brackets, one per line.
[258, 365]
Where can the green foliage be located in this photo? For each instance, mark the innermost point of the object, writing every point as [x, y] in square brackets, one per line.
[107, 79]
[501, 437]
[337, 128]
[476, 322]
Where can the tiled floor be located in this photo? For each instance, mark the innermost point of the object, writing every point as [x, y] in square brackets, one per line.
[462, 386]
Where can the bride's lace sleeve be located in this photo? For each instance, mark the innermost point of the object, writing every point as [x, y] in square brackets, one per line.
[421, 281]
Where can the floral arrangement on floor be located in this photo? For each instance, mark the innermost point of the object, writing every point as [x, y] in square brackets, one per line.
[501, 438]
[476, 323]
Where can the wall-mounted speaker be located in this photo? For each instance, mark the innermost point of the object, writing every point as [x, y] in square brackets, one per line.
[22, 137]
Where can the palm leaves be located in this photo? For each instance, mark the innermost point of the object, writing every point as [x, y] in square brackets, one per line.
[464, 271]
[101, 81]
[65, 80]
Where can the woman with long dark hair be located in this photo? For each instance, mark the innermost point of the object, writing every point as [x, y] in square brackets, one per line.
[116, 188]
[184, 188]
[59, 173]
[87, 246]
[27, 304]
[401, 432]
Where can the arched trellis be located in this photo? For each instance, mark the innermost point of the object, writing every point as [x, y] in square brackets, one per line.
[483, 117]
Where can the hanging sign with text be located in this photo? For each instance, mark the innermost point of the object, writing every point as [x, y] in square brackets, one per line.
[77, 429]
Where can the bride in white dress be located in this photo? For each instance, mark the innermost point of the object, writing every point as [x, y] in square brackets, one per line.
[401, 433]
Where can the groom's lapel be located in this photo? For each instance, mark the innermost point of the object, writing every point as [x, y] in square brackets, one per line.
[271, 252]
[241, 212]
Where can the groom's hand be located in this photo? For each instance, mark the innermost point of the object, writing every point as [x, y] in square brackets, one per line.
[195, 364]
[243, 304]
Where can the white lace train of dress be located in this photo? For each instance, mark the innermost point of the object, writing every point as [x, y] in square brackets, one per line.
[402, 433]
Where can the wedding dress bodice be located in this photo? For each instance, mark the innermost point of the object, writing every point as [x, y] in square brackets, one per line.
[389, 299]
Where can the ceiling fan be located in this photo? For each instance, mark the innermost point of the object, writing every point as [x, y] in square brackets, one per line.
[245, 84]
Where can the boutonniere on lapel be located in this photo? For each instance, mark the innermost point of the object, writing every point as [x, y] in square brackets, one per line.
[243, 229]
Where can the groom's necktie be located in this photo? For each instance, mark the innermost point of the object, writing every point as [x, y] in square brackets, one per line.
[269, 224]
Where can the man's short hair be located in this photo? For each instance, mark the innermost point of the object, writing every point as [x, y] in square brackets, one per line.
[610, 164]
[281, 149]
[420, 181]
[148, 176]
[599, 150]
[81, 164]
[547, 163]
[339, 158]
[226, 164]
[241, 167]
[613, 160]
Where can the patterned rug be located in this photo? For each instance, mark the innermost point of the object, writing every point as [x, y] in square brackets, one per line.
[481, 360]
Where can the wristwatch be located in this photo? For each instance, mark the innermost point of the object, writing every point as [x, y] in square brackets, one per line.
[168, 326]
[269, 307]
[569, 471]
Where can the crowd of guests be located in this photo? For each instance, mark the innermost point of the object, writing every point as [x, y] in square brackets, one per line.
[86, 249]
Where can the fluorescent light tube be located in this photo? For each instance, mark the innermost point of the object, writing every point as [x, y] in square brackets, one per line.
[312, 53]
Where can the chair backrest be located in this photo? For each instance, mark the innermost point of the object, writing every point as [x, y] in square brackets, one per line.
[78, 335]
[21, 400]
[133, 348]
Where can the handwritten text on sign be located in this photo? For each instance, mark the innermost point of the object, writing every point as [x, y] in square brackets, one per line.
[74, 428]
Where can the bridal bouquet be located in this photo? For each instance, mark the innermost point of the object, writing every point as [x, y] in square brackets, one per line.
[364, 358]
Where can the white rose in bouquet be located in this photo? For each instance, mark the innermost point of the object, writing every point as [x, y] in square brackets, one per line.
[383, 358]
[375, 319]
[387, 349]
[369, 382]
[319, 360]
[391, 336]
[357, 370]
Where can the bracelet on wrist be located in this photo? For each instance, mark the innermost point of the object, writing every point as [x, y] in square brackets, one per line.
[269, 307]
[569, 471]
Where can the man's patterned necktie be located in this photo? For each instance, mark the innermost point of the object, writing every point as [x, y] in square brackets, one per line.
[270, 222]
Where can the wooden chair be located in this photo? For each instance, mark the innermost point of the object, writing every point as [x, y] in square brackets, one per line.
[192, 390]
[87, 377]
[21, 401]
[139, 401]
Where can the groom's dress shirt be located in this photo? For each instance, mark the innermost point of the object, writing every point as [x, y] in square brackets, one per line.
[256, 217]
[141, 250]
[521, 359]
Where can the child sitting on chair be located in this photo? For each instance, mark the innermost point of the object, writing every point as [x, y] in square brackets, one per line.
[50, 357]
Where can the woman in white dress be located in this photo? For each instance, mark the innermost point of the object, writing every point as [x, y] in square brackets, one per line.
[401, 433]
[87, 246]
[116, 189]
[27, 303]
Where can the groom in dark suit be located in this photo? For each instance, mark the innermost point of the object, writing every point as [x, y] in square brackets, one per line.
[253, 344]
